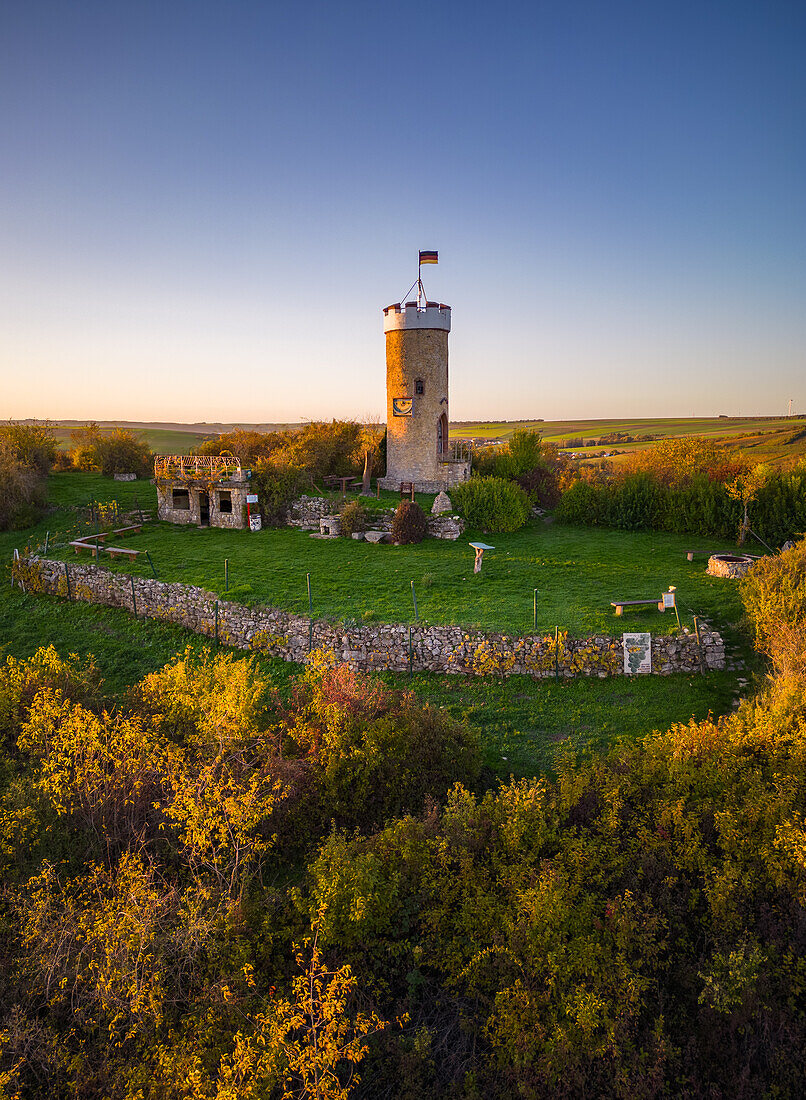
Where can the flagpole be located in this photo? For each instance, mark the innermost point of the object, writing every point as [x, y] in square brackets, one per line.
[419, 282]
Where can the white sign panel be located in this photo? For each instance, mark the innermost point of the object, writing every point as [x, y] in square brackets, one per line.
[637, 653]
[251, 498]
[668, 600]
[255, 523]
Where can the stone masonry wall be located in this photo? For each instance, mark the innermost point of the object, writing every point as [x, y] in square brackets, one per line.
[447, 649]
[308, 512]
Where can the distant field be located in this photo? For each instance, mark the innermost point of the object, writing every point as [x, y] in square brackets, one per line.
[160, 440]
[762, 439]
[175, 439]
[554, 430]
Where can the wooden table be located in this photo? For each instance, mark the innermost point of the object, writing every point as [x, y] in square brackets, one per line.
[480, 547]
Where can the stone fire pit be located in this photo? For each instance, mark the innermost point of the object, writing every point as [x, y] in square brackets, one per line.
[729, 565]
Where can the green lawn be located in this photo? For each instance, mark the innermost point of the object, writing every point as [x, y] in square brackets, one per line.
[521, 721]
[576, 571]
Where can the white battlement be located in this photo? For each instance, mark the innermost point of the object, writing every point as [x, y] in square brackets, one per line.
[431, 315]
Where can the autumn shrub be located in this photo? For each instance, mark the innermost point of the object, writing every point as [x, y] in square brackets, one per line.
[326, 449]
[774, 594]
[249, 445]
[354, 517]
[491, 503]
[377, 752]
[409, 524]
[22, 492]
[120, 451]
[675, 461]
[84, 449]
[207, 698]
[33, 445]
[104, 771]
[77, 679]
[27, 452]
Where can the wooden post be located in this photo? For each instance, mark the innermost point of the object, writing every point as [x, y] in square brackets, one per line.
[310, 614]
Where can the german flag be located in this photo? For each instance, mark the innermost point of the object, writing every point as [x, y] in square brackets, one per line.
[429, 257]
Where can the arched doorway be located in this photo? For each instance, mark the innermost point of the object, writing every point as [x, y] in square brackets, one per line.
[442, 434]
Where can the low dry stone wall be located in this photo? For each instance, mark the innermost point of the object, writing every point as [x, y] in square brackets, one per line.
[445, 649]
[307, 514]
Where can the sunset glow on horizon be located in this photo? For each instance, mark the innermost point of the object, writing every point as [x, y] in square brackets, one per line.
[204, 208]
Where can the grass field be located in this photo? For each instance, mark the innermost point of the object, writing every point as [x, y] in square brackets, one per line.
[521, 721]
[577, 572]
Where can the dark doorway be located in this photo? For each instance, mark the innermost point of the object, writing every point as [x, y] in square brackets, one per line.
[204, 509]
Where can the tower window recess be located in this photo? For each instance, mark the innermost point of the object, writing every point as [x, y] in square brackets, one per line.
[181, 500]
[225, 502]
[419, 387]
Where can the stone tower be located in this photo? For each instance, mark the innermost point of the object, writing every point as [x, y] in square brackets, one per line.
[417, 446]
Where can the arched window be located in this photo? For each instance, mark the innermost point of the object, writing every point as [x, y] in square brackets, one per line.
[419, 387]
[442, 434]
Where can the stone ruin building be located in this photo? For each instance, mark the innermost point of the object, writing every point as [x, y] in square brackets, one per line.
[418, 451]
[207, 491]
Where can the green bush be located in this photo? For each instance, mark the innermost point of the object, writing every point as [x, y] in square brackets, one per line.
[353, 517]
[409, 523]
[492, 503]
[277, 487]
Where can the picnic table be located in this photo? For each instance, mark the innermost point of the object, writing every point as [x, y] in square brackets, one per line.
[332, 482]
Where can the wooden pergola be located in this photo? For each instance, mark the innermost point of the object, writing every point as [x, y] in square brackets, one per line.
[197, 467]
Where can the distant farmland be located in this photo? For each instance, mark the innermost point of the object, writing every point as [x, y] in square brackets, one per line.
[777, 440]
[174, 439]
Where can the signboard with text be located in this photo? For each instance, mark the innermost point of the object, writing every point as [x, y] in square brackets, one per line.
[637, 653]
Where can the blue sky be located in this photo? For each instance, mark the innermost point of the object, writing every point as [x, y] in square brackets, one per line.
[205, 206]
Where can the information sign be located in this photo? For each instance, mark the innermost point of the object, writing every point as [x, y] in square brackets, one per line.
[637, 653]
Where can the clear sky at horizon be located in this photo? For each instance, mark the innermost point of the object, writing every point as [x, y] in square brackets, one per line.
[205, 206]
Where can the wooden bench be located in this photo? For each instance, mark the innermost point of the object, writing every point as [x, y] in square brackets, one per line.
[80, 544]
[407, 489]
[121, 552]
[621, 604]
[135, 529]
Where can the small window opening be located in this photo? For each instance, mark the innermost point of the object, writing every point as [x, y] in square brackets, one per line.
[419, 387]
[181, 500]
[225, 502]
